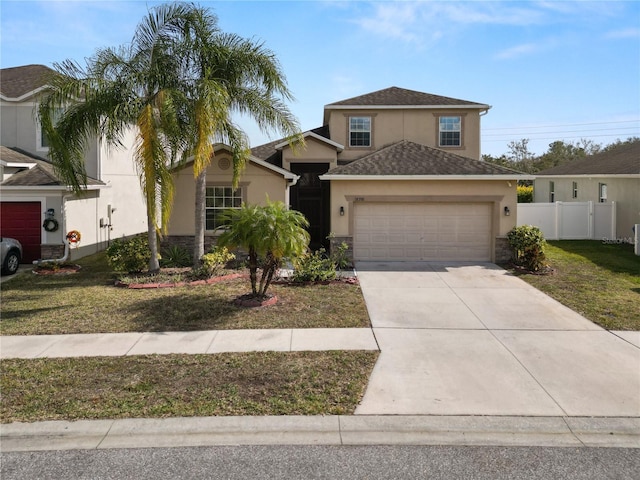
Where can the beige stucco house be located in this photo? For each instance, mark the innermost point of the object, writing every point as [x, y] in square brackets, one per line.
[395, 173]
[611, 176]
[36, 207]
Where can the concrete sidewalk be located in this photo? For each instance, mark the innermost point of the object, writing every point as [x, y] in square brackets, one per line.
[199, 342]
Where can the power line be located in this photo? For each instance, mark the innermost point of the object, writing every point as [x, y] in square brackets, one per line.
[561, 137]
[564, 131]
[562, 125]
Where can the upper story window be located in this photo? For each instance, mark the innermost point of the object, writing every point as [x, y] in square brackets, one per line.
[42, 140]
[575, 190]
[552, 192]
[602, 192]
[217, 199]
[450, 132]
[359, 131]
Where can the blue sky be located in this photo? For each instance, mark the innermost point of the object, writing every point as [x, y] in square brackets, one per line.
[552, 70]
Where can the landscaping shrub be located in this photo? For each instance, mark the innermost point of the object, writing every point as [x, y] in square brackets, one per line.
[339, 256]
[525, 193]
[215, 260]
[175, 256]
[130, 255]
[314, 267]
[528, 245]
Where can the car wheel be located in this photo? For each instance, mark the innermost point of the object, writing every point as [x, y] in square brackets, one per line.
[11, 263]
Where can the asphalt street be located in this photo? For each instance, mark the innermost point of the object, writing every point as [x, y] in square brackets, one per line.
[326, 462]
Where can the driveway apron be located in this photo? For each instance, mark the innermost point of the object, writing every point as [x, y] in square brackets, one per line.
[472, 339]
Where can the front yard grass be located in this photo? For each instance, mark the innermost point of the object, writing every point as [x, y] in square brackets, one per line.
[265, 383]
[88, 302]
[599, 281]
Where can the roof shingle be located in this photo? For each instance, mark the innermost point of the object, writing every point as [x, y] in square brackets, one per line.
[621, 160]
[402, 97]
[18, 81]
[409, 158]
[41, 175]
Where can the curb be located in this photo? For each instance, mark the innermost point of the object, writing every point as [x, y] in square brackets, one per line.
[576, 432]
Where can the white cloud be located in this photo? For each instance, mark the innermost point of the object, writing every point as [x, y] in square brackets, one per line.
[624, 33]
[517, 51]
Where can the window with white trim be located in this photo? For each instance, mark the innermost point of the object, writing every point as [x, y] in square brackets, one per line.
[602, 192]
[42, 142]
[359, 131]
[450, 132]
[218, 199]
[575, 190]
[552, 192]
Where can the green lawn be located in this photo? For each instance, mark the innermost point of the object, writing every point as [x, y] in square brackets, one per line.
[599, 281]
[88, 302]
[264, 383]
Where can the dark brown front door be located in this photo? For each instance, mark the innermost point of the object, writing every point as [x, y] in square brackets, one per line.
[310, 196]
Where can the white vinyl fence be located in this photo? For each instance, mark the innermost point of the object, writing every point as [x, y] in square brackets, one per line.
[570, 220]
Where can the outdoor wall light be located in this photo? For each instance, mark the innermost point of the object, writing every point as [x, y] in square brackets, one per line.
[342, 211]
[507, 212]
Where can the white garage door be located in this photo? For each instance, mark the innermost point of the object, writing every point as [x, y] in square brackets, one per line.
[422, 231]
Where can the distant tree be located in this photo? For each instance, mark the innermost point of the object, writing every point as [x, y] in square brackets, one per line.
[619, 143]
[520, 155]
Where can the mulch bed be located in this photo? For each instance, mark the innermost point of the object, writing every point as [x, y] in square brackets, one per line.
[62, 270]
[208, 281]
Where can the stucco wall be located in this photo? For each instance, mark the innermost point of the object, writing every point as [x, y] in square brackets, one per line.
[313, 152]
[416, 125]
[624, 191]
[257, 182]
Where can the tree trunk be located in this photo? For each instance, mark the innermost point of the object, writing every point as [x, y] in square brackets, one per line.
[154, 263]
[253, 270]
[200, 222]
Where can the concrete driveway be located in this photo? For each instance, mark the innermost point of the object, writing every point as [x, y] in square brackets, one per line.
[471, 339]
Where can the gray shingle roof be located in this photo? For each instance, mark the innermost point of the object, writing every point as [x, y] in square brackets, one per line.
[41, 175]
[17, 81]
[402, 97]
[409, 158]
[622, 160]
[270, 154]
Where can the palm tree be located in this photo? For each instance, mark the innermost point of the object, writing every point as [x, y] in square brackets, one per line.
[270, 232]
[133, 87]
[228, 74]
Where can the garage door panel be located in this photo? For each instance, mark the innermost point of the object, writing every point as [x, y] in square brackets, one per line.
[437, 231]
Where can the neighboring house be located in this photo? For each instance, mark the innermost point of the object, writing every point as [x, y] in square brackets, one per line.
[394, 173]
[612, 176]
[34, 200]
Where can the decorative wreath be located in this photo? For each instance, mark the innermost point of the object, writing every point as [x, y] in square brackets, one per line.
[74, 236]
[50, 225]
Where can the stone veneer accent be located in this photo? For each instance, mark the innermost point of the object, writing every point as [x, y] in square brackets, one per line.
[51, 251]
[335, 241]
[186, 241]
[504, 253]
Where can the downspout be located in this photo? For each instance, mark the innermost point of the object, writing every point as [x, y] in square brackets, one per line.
[287, 194]
[65, 257]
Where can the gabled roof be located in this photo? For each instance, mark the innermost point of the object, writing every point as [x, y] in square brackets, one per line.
[407, 159]
[272, 154]
[252, 158]
[40, 173]
[17, 83]
[395, 97]
[621, 160]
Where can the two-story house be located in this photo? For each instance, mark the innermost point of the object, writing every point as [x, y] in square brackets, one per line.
[394, 173]
[36, 207]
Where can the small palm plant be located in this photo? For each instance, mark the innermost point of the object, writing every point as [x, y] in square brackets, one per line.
[271, 232]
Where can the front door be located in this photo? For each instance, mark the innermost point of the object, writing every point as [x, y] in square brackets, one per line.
[310, 196]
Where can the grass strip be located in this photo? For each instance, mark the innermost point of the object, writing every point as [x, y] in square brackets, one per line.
[154, 386]
[599, 281]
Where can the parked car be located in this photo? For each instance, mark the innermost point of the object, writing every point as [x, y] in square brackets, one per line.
[11, 254]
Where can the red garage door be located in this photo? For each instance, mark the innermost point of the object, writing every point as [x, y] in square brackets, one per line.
[21, 220]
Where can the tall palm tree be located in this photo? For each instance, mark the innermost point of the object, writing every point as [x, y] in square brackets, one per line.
[131, 87]
[228, 74]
